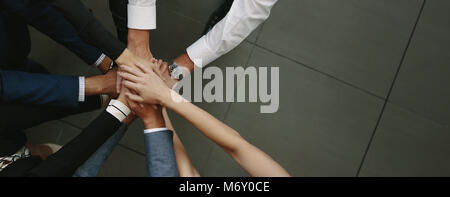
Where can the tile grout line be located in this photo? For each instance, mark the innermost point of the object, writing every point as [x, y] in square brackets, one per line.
[391, 88]
[418, 114]
[259, 32]
[321, 72]
[227, 110]
[130, 149]
[246, 65]
[183, 15]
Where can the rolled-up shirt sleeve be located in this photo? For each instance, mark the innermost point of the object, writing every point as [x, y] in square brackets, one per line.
[242, 19]
[142, 14]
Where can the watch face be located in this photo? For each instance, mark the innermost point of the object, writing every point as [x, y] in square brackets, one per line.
[172, 67]
[176, 72]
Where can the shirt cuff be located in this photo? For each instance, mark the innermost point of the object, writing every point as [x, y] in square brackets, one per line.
[100, 60]
[118, 110]
[200, 53]
[81, 89]
[143, 18]
[149, 131]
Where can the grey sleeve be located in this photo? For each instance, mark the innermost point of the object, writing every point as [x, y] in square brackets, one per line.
[160, 156]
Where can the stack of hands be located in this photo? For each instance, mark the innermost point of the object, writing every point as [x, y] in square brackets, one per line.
[146, 87]
[137, 70]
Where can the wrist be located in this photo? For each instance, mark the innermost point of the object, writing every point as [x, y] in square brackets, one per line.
[165, 98]
[142, 52]
[173, 100]
[105, 65]
[185, 61]
[123, 100]
[139, 39]
[154, 122]
[94, 85]
[125, 57]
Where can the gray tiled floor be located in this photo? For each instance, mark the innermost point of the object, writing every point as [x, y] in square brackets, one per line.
[124, 163]
[413, 135]
[359, 42]
[422, 85]
[337, 59]
[406, 144]
[320, 121]
[197, 10]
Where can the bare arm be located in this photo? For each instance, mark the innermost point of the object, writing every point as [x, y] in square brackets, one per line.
[185, 166]
[139, 43]
[249, 157]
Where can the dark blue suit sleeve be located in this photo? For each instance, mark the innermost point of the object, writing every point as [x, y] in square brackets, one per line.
[41, 15]
[39, 89]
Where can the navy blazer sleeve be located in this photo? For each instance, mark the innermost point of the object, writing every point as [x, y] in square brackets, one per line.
[89, 28]
[39, 89]
[41, 15]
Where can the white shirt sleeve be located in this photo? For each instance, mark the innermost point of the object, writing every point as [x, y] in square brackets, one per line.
[81, 89]
[100, 60]
[142, 14]
[149, 131]
[242, 19]
[118, 110]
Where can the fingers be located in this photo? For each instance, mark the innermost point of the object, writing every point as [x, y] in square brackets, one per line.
[147, 70]
[131, 70]
[129, 77]
[158, 70]
[132, 86]
[158, 62]
[143, 68]
[133, 105]
[164, 67]
[118, 84]
[134, 98]
[158, 65]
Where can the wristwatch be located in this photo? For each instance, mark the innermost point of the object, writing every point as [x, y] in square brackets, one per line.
[112, 66]
[175, 71]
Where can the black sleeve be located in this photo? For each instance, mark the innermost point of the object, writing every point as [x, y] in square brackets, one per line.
[90, 29]
[65, 162]
[21, 167]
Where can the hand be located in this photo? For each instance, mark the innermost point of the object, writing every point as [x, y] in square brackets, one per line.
[122, 98]
[146, 85]
[102, 84]
[105, 65]
[164, 73]
[151, 115]
[130, 118]
[185, 61]
[129, 59]
[110, 80]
